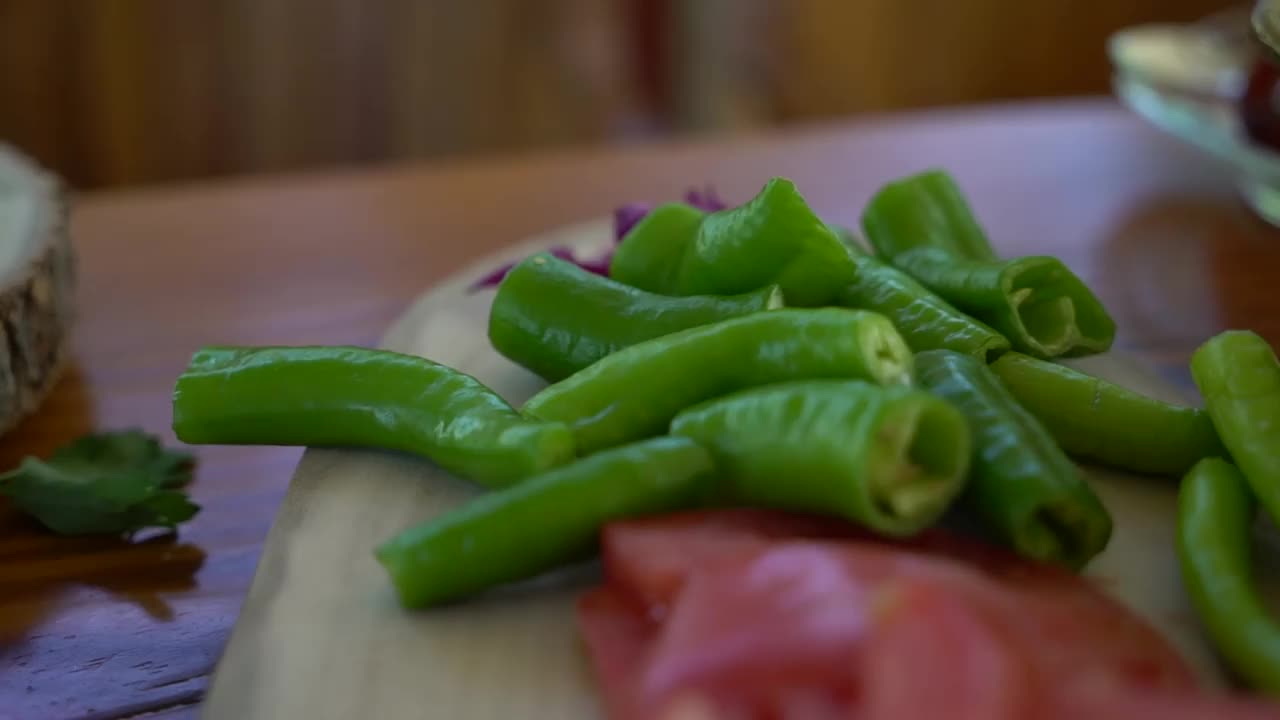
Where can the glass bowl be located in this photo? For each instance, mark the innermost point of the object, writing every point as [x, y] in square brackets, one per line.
[1210, 85]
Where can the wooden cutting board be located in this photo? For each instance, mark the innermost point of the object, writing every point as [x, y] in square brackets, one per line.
[321, 635]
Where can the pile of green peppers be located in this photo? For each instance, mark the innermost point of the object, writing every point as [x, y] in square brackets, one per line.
[758, 356]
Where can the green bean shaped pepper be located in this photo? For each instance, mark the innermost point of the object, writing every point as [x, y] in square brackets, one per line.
[652, 251]
[923, 224]
[634, 393]
[545, 522]
[1036, 302]
[1100, 421]
[555, 318]
[1239, 378]
[1022, 488]
[927, 209]
[891, 459]
[926, 321]
[849, 239]
[775, 238]
[351, 396]
[1215, 518]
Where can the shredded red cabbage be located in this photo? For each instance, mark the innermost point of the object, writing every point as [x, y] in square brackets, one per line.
[495, 277]
[624, 218]
[706, 199]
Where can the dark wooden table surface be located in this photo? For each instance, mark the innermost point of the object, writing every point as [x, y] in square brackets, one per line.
[98, 629]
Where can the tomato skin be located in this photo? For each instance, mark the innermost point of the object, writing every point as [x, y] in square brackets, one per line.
[753, 614]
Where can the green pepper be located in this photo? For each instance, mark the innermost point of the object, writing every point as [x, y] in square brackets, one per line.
[923, 224]
[891, 459]
[1036, 302]
[545, 522]
[926, 321]
[849, 239]
[1100, 421]
[925, 210]
[1215, 516]
[1022, 488]
[351, 396]
[555, 318]
[775, 238]
[649, 257]
[1239, 378]
[634, 393]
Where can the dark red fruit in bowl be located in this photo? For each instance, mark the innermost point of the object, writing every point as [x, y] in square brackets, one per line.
[1260, 106]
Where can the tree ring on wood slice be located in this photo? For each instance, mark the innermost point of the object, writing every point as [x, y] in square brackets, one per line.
[37, 284]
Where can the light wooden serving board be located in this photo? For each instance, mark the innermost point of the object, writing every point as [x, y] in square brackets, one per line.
[321, 636]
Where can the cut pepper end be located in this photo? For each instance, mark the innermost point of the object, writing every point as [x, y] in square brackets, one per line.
[889, 359]
[1084, 346]
[1058, 534]
[919, 470]
[1056, 312]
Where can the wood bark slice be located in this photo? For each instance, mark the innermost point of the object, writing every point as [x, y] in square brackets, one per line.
[37, 284]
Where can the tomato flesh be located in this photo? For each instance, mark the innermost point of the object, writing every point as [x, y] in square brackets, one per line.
[757, 614]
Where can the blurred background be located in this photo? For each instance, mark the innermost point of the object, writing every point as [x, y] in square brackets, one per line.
[114, 93]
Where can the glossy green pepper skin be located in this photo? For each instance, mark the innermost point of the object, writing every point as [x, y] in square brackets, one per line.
[1036, 302]
[926, 321]
[849, 239]
[1215, 520]
[651, 255]
[775, 238]
[1239, 378]
[927, 209]
[923, 224]
[359, 397]
[545, 522]
[633, 393]
[555, 318]
[891, 459]
[1102, 422]
[1022, 488]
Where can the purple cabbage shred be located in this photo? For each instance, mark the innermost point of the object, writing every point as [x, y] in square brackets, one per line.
[624, 218]
[706, 199]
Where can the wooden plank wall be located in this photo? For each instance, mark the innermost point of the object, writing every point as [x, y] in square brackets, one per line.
[127, 91]
[848, 56]
[114, 92]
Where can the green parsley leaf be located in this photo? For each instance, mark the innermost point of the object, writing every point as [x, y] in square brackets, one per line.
[106, 483]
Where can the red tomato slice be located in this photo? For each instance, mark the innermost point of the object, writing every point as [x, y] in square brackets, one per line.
[1163, 706]
[652, 558]
[617, 632]
[933, 656]
[816, 613]
[758, 614]
[640, 556]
